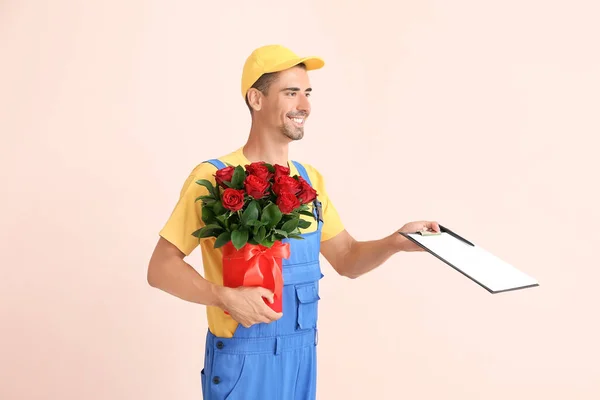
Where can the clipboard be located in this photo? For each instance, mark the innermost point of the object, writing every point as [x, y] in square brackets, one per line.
[482, 267]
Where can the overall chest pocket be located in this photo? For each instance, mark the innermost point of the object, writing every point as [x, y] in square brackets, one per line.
[308, 297]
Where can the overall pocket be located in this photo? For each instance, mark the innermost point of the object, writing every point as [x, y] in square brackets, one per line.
[203, 383]
[227, 370]
[308, 297]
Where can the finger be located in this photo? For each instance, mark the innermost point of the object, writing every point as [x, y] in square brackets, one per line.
[267, 294]
[277, 316]
[428, 226]
[435, 226]
[272, 315]
[268, 312]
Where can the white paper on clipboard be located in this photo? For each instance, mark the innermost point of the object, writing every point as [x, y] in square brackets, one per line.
[484, 268]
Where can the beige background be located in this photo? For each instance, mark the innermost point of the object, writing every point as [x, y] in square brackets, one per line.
[481, 115]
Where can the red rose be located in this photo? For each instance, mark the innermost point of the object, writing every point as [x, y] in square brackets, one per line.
[307, 193]
[233, 199]
[256, 187]
[287, 202]
[259, 169]
[286, 183]
[224, 174]
[280, 171]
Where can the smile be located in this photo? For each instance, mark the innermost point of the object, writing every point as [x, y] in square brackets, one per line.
[298, 121]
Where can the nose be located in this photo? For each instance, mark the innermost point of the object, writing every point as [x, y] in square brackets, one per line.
[303, 104]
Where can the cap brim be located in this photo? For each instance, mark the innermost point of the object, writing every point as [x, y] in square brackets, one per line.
[311, 63]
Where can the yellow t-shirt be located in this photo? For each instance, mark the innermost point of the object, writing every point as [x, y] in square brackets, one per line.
[186, 219]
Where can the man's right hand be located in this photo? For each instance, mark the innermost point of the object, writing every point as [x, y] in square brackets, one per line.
[246, 305]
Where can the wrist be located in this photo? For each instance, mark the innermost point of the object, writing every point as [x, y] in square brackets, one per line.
[400, 241]
[219, 295]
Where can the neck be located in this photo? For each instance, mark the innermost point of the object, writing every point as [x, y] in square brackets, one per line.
[268, 146]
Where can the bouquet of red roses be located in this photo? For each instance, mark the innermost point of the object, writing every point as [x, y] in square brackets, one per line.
[249, 212]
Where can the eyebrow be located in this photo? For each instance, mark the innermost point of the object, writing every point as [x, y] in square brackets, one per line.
[295, 89]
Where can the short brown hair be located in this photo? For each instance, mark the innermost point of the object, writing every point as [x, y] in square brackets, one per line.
[265, 81]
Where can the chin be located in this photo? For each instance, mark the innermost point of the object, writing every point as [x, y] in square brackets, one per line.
[297, 135]
[293, 133]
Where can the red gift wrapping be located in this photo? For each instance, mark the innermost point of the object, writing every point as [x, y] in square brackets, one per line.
[256, 265]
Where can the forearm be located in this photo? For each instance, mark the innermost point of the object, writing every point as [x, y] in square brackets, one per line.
[174, 276]
[364, 256]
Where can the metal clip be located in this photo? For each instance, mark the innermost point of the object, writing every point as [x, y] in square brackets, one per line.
[319, 208]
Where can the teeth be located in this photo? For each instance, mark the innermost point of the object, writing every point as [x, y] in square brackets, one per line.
[298, 120]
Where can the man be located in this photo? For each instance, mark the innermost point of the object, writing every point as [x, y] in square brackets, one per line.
[254, 352]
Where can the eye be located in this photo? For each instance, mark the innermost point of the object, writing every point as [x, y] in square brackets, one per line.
[291, 93]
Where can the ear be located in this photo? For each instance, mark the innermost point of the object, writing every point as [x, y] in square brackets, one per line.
[255, 99]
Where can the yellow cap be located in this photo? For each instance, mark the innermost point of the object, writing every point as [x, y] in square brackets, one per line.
[273, 58]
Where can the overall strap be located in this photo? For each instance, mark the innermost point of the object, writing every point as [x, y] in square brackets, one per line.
[318, 211]
[302, 171]
[217, 163]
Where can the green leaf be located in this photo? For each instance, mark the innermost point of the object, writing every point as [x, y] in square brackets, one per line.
[270, 167]
[307, 213]
[296, 237]
[260, 235]
[281, 232]
[239, 175]
[251, 213]
[303, 224]
[267, 242]
[290, 225]
[206, 199]
[208, 230]
[208, 215]
[223, 217]
[271, 215]
[239, 238]
[219, 209]
[222, 239]
[252, 241]
[255, 222]
[208, 185]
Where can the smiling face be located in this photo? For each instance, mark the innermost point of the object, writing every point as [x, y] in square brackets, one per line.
[285, 106]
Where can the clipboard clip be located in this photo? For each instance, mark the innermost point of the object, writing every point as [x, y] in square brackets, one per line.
[442, 229]
[448, 231]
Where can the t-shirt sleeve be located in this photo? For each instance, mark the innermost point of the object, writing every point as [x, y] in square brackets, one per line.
[332, 223]
[186, 217]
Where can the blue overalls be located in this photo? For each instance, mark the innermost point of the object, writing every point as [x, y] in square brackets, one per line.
[275, 361]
